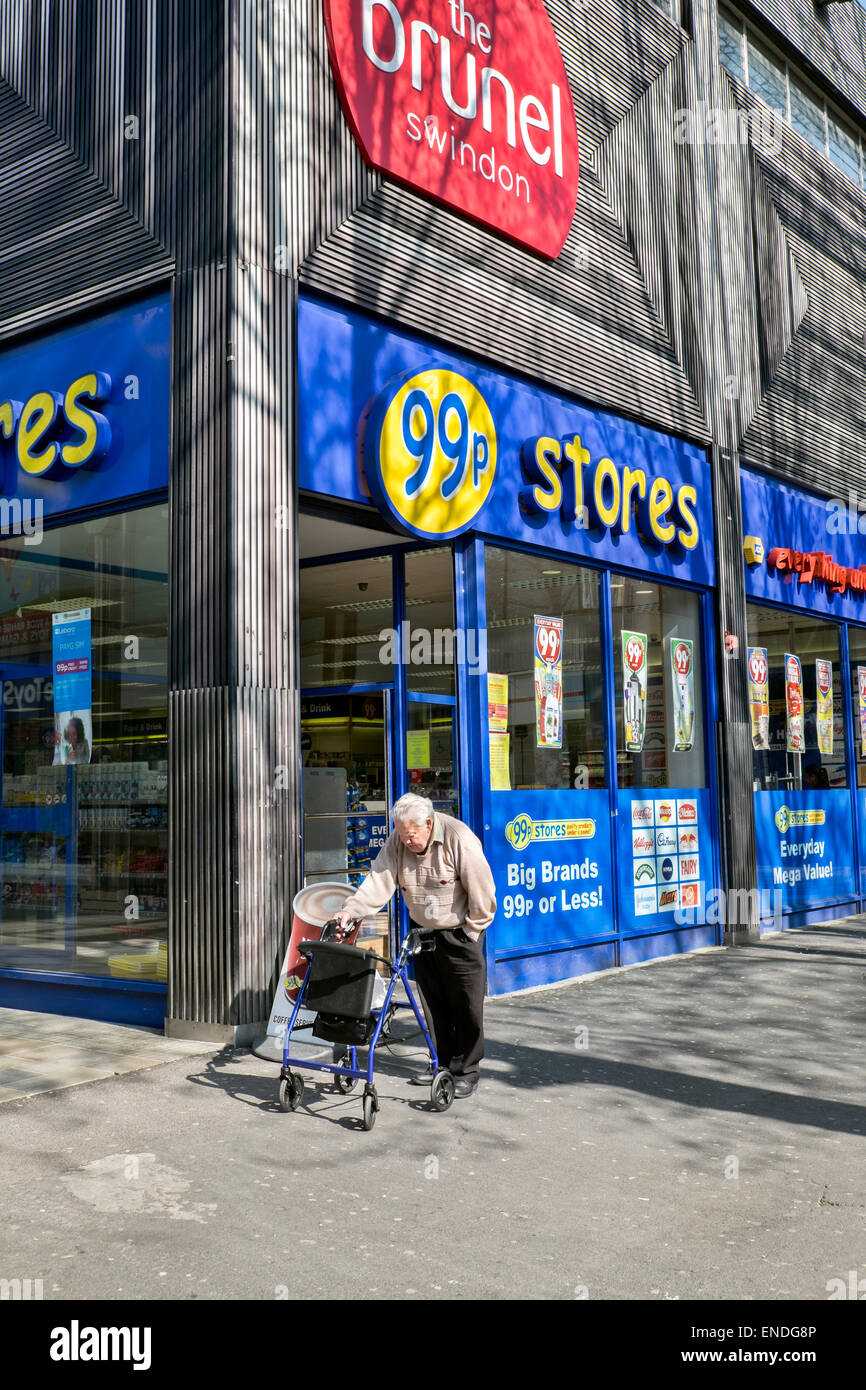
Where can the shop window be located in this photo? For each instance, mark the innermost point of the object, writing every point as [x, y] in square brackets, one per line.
[84, 804]
[431, 754]
[434, 645]
[658, 685]
[546, 726]
[857, 655]
[344, 609]
[797, 728]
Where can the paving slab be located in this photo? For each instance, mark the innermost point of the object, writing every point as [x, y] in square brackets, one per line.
[40, 1051]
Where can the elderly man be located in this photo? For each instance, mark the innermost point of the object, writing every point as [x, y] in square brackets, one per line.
[439, 866]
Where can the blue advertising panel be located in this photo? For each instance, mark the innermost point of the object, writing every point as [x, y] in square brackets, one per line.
[861, 817]
[803, 550]
[440, 444]
[666, 857]
[72, 669]
[805, 846]
[550, 853]
[84, 414]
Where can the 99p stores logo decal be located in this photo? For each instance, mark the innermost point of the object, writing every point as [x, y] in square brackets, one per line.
[430, 453]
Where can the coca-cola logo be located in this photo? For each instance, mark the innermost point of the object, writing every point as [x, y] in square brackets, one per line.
[467, 101]
[642, 815]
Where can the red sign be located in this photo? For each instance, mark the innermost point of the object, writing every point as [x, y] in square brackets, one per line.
[467, 101]
[548, 639]
[758, 667]
[634, 654]
[817, 565]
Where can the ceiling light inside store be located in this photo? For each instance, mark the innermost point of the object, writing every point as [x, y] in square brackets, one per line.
[70, 605]
[370, 605]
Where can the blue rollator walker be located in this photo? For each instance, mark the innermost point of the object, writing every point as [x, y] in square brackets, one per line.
[339, 985]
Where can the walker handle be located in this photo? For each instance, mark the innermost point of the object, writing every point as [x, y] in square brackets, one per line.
[332, 931]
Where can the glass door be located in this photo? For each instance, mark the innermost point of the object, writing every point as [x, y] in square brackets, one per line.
[345, 746]
[431, 752]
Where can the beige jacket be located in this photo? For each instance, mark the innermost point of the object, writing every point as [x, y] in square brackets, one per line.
[449, 885]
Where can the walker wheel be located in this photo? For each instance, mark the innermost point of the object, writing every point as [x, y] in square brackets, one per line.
[442, 1090]
[371, 1107]
[345, 1084]
[291, 1092]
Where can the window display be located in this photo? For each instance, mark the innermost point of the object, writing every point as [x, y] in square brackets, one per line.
[84, 805]
[795, 699]
[658, 685]
[545, 689]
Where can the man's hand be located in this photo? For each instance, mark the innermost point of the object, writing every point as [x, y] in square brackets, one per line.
[343, 918]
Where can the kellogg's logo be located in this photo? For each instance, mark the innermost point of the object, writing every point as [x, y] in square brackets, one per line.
[469, 103]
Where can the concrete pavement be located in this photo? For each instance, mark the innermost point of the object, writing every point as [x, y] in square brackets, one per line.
[691, 1129]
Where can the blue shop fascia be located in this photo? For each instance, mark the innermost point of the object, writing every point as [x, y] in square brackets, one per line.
[570, 556]
[805, 575]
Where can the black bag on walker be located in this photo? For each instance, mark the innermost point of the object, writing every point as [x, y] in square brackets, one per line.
[339, 985]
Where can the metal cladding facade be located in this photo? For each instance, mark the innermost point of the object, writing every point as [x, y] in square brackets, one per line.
[712, 291]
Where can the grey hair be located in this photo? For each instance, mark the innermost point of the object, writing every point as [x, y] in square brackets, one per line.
[412, 809]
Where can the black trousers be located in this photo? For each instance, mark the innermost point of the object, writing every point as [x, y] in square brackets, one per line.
[452, 981]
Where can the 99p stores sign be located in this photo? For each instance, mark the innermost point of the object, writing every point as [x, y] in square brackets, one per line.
[467, 101]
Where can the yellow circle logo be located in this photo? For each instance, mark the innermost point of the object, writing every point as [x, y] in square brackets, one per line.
[430, 453]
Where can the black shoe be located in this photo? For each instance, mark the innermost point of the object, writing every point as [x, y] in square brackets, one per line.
[463, 1087]
[422, 1078]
